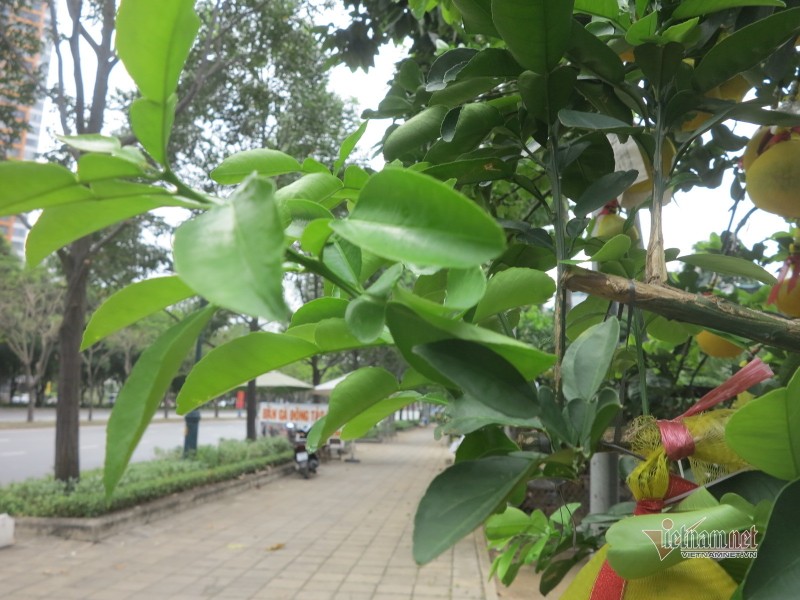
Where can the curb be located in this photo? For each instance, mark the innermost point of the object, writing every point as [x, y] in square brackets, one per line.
[95, 529]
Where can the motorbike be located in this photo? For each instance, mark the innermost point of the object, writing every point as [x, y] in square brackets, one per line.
[305, 462]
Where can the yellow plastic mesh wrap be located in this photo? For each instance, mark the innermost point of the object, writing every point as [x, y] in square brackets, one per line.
[698, 436]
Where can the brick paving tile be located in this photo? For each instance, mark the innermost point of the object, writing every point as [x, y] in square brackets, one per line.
[343, 535]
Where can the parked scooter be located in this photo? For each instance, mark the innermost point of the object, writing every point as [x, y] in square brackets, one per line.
[305, 462]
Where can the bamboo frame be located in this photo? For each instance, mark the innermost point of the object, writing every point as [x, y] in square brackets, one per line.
[708, 311]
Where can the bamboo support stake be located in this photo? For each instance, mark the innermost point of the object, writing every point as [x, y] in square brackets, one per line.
[707, 311]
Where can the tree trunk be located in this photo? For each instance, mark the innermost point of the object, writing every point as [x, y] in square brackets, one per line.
[76, 268]
[250, 396]
[29, 383]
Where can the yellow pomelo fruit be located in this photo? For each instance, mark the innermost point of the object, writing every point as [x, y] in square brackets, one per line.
[609, 225]
[788, 302]
[773, 179]
[752, 151]
[716, 346]
[734, 89]
[627, 55]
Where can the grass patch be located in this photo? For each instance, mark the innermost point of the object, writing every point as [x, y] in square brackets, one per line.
[167, 474]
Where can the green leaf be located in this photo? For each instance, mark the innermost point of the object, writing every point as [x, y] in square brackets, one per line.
[411, 329]
[483, 375]
[465, 287]
[764, 432]
[512, 288]
[472, 170]
[775, 571]
[682, 32]
[512, 521]
[599, 8]
[667, 331]
[152, 123]
[604, 190]
[461, 498]
[745, 48]
[347, 147]
[143, 391]
[590, 312]
[358, 426]
[451, 61]
[233, 254]
[333, 335]
[57, 226]
[594, 122]
[489, 441]
[545, 95]
[729, 265]
[319, 309]
[366, 317]
[753, 486]
[132, 303]
[91, 142]
[317, 187]
[153, 40]
[537, 32]
[315, 236]
[477, 16]
[632, 553]
[463, 128]
[643, 30]
[466, 414]
[92, 167]
[588, 358]
[300, 214]
[28, 185]
[419, 130]
[359, 391]
[237, 362]
[613, 249]
[659, 63]
[264, 161]
[411, 217]
[606, 408]
[592, 53]
[489, 62]
[698, 8]
[460, 92]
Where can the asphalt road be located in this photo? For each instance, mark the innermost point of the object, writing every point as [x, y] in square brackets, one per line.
[28, 452]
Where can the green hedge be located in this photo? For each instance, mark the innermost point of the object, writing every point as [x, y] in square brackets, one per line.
[401, 425]
[142, 481]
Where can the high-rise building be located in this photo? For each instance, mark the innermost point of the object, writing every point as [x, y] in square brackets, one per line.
[38, 16]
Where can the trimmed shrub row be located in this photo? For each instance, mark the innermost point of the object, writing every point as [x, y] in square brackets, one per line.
[144, 481]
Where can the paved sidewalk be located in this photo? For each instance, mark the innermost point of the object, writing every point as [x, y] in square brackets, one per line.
[344, 535]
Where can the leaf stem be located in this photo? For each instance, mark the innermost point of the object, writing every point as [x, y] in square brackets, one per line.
[318, 267]
[656, 266]
[561, 214]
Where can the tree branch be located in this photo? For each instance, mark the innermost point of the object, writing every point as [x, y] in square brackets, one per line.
[61, 98]
[708, 311]
[75, 7]
[110, 235]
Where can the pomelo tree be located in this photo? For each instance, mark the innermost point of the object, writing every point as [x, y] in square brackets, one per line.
[515, 154]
